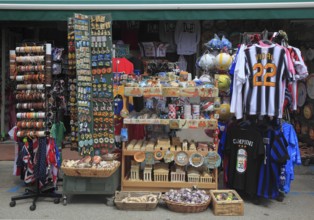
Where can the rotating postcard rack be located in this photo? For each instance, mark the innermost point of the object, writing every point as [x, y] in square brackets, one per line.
[30, 67]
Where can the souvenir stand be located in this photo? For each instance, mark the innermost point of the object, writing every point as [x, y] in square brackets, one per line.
[156, 156]
[92, 114]
[30, 67]
[160, 163]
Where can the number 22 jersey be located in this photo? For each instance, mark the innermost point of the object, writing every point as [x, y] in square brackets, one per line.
[264, 71]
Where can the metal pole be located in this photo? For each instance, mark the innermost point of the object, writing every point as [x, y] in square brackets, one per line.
[3, 55]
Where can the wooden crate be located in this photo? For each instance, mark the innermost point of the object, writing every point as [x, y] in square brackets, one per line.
[234, 207]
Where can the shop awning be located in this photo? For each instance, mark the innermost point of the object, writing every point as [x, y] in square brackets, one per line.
[60, 10]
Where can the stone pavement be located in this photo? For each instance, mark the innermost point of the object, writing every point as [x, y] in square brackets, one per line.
[298, 204]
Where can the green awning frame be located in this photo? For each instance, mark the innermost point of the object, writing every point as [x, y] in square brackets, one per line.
[59, 10]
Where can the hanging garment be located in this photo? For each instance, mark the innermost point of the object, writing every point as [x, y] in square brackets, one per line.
[264, 72]
[187, 36]
[294, 154]
[52, 160]
[122, 65]
[244, 148]
[301, 72]
[25, 161]
[57, 131]
[166, 34]
[21, 166]
[40, 161]
[237, 85]
[182, 63]
[276, 155]
[222, 138]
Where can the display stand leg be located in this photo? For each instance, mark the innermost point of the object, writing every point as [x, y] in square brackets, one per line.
[48, 192]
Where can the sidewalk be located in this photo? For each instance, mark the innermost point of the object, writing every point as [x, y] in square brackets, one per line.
[7, 152]
[298, 204]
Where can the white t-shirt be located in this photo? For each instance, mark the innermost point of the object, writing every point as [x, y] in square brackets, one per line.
[187, 37]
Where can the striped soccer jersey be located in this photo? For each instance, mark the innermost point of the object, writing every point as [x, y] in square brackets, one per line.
[301, 72]
[276, 155]
[263, 71]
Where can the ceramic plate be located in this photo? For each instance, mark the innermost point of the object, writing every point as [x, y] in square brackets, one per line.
[169, 157]
[212, 160]
[158, 155]
[196, 160]
[139, 156]
[301, 94]
[181, 158]
[149, 158]
[310, 86]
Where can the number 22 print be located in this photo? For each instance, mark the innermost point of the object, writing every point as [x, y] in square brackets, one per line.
[264, 74]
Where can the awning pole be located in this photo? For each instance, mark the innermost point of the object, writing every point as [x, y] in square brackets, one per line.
[3, 55]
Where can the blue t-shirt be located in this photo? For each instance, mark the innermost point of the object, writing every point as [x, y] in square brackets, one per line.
[294, 154]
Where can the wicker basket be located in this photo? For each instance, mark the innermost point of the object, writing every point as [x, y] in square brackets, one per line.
[234, 207]
[187, 208]
[140, 206]
[88, 172]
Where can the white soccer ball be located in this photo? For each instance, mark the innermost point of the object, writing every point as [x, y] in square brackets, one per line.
[207, 61]
[223, 61]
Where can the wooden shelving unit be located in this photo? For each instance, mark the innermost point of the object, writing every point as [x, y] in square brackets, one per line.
[128, 184]
[157, 186]
[176, 123]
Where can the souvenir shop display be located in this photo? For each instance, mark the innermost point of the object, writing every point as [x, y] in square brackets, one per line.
[139, 116]
[260, 144]
[91, 92]
[94, 97]
[169, 102]
[170, 163]
[31, 67]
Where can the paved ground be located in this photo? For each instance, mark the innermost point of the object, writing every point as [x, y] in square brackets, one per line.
[298, 204]
[8, 152]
